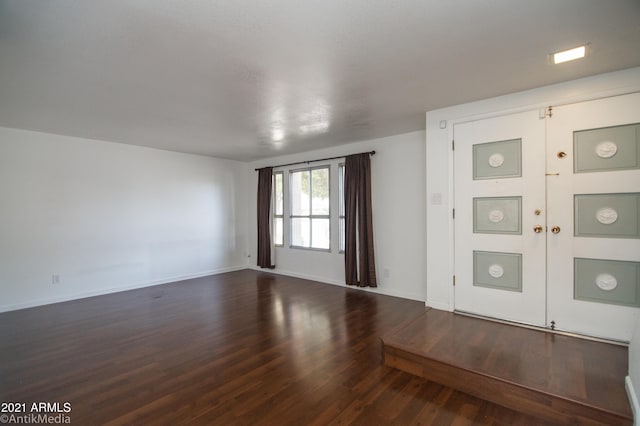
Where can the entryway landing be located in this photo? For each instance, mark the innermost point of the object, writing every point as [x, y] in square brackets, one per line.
[558, 378]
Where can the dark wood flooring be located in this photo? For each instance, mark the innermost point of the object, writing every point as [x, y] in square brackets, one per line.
[559, 378]
[239, 348]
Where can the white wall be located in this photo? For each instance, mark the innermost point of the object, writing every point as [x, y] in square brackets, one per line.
[398, 201]
[106, 216]
[440, 160]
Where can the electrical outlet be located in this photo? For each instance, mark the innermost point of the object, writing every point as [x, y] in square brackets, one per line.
[55, 279]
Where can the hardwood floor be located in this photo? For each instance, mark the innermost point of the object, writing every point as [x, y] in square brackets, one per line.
[239, 348]
[559, 378]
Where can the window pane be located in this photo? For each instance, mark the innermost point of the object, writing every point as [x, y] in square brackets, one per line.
[278, 195]
[278, 238]
[300, 193]
[320, 189]
[300, 232]
[321, 238]
[341, 234]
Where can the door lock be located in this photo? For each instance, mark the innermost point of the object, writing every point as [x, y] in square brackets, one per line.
[561, 154]
[555, 229]
[537, 229]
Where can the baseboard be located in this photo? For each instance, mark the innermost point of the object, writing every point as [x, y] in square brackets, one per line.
[100, 292]
[340, 283]
[439, 305]
[633, 399]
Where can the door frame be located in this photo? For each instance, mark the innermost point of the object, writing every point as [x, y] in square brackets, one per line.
[543, 106]
[543, 114]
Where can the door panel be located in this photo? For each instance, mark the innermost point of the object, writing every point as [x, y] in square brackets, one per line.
[499, 185]
[576, 178]
[607, 281]
[593, 201]
[607, 215]
[495, 160]
[606, 149]
[497, 215]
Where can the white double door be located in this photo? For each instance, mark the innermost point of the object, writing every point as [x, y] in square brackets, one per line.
[547, 226]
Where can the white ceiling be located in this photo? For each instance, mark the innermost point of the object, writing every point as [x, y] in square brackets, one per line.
[249, 79]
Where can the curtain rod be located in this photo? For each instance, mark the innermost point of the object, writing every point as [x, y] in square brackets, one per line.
[315, 161]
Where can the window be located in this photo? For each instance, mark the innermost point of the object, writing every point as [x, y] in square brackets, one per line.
[278, 209]
[310, 210]
[341, 212]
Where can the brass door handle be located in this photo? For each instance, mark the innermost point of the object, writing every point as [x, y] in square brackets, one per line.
[555, 229]
[537, 229]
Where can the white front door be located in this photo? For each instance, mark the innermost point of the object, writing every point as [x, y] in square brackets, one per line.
[499, 200]
[547, 222]
[594, 205]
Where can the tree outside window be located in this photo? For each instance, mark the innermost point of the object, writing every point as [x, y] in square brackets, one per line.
[310, 209]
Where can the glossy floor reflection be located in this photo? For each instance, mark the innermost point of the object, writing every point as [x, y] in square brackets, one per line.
[243, 347]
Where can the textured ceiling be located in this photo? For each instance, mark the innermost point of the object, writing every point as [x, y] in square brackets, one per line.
[248, 79]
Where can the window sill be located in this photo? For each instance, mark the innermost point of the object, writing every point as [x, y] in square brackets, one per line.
[311, 249]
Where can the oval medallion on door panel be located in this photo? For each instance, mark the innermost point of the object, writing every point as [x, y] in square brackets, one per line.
[606, 282]
[606, 149]
[496, 271]
[496, 160]
[607, 215]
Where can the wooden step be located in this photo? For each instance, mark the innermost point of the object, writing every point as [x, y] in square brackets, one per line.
[557, 378]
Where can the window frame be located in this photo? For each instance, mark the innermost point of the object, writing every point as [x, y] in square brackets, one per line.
[342, 225]
[276, 216]
[311, 216]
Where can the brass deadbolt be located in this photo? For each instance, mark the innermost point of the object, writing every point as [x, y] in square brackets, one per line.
[562, 154]
[537, 212]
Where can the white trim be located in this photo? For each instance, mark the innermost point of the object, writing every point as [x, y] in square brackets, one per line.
[633, 399]
[546, 99]
[85, 294]
[340, 283]
[451, 190]
[438, 305]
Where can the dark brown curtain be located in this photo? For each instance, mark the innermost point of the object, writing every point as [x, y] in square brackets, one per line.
[358, 250]
[264, 217]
